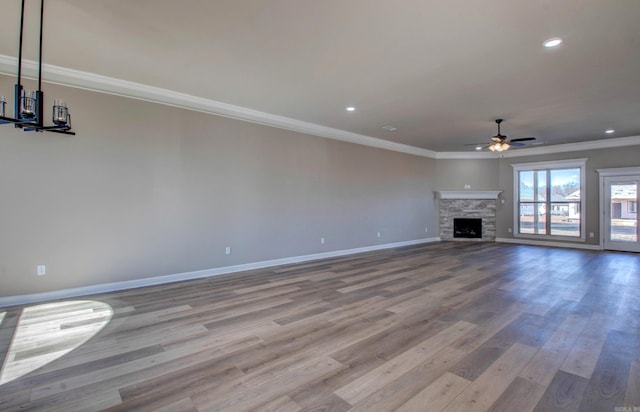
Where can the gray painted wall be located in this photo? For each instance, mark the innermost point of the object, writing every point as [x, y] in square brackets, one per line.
[454, 174]
[147, 190]
[597, 159]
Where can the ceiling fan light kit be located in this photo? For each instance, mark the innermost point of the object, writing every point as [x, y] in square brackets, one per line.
[499, 147]
[29, 106]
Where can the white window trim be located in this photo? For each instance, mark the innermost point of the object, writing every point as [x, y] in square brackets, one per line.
[554, 164]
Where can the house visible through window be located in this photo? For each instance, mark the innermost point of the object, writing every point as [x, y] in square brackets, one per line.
[549, 199]
[633, 206]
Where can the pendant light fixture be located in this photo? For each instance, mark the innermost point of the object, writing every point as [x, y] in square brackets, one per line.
[29, 105]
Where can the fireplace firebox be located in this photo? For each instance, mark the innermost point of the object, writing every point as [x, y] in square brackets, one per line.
[469, 228]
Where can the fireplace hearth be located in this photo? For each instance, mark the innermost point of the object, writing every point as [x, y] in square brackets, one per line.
[467, 228]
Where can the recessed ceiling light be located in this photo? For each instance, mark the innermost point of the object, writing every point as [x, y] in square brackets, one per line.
[609, 131]
[478, 147]
[390, 128]
[351, 109]
[552, 42]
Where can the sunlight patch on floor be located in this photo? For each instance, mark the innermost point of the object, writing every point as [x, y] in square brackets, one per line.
[49, 331]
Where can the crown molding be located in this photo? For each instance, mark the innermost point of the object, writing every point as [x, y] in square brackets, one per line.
[467, 155]
[550, 149]
[575, 147]
[104, 84]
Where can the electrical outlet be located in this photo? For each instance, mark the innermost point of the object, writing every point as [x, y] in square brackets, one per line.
[591, 234]
[378, 234]
[509, 230]
[227, 250]
[41, 270]
[467, 186]
[502, 201]
[322, 240]
[426, 229]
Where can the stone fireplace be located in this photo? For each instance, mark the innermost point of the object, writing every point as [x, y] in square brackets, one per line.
[465, 205]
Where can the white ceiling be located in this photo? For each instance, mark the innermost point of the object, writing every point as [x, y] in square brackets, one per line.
[438, 71]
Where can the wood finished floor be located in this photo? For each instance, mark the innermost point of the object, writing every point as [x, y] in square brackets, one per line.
[447, 326]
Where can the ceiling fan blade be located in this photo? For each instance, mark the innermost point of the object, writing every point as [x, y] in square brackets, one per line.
[500, 142]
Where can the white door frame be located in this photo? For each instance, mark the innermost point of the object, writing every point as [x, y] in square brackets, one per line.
[620, 172]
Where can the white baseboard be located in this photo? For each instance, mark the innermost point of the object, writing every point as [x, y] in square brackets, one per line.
[546, 243]
[158, 280]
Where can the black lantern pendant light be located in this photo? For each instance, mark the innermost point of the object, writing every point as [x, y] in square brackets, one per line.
[28, 106]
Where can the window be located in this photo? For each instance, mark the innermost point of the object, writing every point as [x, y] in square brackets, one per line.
[549, 199]
[633, 206]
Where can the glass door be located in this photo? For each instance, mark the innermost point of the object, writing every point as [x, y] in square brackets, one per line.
[621, 213]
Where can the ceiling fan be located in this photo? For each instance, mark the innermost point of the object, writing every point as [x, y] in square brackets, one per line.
[500, 143]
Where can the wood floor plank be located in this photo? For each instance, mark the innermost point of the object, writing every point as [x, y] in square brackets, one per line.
[490, 323]
[137, 320]
[482, 393]
[584, 354]
[549, 359]
[372, 381]
[138, 370]
[437, 395]
[303, 312]
[318, 397]
[543, 367]
[291, 343]
[481, 358]
[372, 352]
[563, 339]
[608, 384]
[632, 397]
[281, 404]
[563, 394]
[45, 375]
[382, 280]
[182, 381]
[415, 303]
[8, 325]
[473, 326]
[251, 396]
[183, 405]
[97, 402]
[401, 390]
[11, 398]
[522, 395]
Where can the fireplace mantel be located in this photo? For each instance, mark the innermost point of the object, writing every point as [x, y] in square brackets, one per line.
[468, 194]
